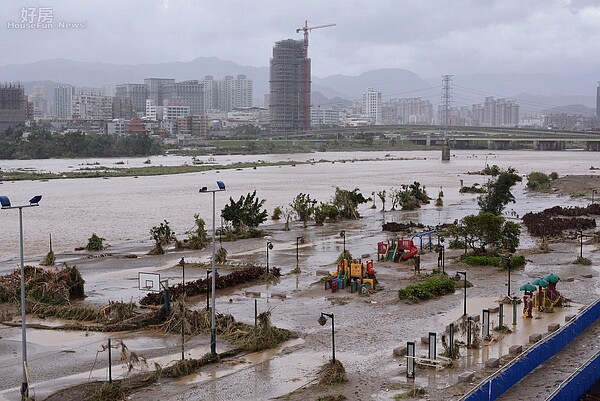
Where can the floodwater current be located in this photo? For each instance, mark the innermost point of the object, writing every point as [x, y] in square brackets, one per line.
[124, 209]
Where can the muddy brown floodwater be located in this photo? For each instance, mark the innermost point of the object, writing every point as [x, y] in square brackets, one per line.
[367, 328]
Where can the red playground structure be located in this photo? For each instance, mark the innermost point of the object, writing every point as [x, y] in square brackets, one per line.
[396, 250]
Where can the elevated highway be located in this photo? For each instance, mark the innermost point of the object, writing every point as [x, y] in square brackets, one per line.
[471, 137]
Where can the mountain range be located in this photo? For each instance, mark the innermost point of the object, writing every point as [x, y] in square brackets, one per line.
[534, 92]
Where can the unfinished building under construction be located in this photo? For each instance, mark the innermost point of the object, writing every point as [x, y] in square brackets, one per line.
[289, 86]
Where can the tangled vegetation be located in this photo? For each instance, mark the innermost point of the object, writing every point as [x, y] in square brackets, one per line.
[44, 286]
[549, 223]
[332, 372]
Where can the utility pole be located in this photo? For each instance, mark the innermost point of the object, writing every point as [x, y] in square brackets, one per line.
[446, 98]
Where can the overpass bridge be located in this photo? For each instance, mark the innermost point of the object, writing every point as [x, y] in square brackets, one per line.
[471, 137]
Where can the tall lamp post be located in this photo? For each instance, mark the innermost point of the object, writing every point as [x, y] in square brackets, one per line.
[322, 320]
[343, 235]
[580, 244]
[5, 203]
[457, 278]
[213, 327]
[298, 240]
[508, 267]
[269, 246]
[442, 255]
[182, 264]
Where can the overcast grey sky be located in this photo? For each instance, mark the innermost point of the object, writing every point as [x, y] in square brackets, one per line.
[428, 37]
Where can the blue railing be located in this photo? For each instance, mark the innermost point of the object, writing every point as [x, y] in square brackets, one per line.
[579, 383]
[496, 384]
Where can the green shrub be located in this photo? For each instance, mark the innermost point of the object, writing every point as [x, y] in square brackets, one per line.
[430, 288]
[95, 243]
[276, 213]
[538, 181]
[482, 260]
[553, 176]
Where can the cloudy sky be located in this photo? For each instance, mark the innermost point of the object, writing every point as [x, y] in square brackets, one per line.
[429, 37]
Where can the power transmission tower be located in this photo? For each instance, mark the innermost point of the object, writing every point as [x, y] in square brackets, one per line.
[446, 98]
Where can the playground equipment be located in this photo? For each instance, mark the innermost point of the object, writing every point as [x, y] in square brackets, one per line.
[429, 235]
[546, 297]
[394, 250]
[354, 274]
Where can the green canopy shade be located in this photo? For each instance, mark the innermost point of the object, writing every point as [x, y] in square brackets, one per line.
[552, 278]
[527, 287]
[541, 282]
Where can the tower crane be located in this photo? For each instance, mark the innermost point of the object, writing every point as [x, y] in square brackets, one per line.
[306, 29]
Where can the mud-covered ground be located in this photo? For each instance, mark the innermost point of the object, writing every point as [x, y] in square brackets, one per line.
[367, 328]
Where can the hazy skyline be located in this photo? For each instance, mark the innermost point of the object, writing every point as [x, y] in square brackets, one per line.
[427, 37]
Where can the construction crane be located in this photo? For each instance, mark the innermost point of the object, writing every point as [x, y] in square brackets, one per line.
[306, 29]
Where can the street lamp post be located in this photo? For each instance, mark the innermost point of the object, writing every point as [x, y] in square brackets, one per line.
[213, 327]
[593, 193]
[5, 203]
[182, 264]
[343, 235]
[322, 320]
[457, 278]
[442, 256]
[269, 246]
[298, 239]
[207, 292]
[508, 267]
[580, 244]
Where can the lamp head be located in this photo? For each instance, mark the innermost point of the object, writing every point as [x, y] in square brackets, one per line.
[182, 262]
[203, 189]
[343, 233]
[35, 200]
[322, 320]
[221, 185]
[4, 201]
[269, 244]
[442, 239]
[457, 277]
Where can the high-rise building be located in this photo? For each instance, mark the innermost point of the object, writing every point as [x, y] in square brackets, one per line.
[372, 105]
[92, 106]
[210, 94]
[122, 108]
[241, 93]
[138, 94]
[191, 93]
[13, 106]
[63, 99]
[598, 100]
[500, 112]
[288, 86]
[154, 86]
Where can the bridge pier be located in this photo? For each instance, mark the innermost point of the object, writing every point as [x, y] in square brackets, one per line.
[593, 146]
[549, 145]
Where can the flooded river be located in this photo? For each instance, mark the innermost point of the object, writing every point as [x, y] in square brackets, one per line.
[124, 209]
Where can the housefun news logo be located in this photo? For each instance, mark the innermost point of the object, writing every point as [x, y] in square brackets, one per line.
[41, 18]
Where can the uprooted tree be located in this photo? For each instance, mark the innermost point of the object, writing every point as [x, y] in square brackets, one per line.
[497, 192]
[304, 207]
[162, 236]
[245, 214]
[347, 202]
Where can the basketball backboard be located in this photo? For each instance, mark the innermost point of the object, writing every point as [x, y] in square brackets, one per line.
[149, 282]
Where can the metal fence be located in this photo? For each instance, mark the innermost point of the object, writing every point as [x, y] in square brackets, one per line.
[496, 384]
[579, 383]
